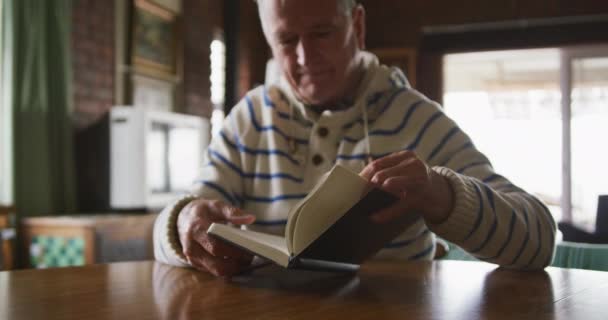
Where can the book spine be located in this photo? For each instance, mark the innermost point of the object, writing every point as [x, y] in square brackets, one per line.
[321, 265]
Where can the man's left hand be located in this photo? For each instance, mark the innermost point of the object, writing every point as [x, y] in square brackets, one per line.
[419, 188]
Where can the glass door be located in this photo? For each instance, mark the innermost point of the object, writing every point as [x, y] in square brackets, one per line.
[541, 116]
[508, 102]
[585, 149]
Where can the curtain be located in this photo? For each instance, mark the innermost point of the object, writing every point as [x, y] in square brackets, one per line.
[37, 49]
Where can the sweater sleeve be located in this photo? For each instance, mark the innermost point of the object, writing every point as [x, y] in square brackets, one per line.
[492, 219]
[220, 178]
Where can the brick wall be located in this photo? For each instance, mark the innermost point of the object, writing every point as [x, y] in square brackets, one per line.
[253, 50]
[93, 41]
[93, 59]
[93, 54]
[93, 85]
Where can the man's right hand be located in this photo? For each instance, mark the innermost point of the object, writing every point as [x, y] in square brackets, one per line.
[204, 252]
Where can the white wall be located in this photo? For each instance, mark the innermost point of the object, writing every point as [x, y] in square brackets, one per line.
[6, 159]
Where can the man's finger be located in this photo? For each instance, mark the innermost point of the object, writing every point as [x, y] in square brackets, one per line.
[220, 211]
[199, 236]
[385, 162]
[378, 165]
[402, 168]
[188, 236]
[241, 219]
[219, 248]
[401, 185]
[219, 267]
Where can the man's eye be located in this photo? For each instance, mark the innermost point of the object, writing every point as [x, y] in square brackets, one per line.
[288, 41]
[322, 34]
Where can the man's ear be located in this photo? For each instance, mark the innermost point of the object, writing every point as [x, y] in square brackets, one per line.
[358, 15]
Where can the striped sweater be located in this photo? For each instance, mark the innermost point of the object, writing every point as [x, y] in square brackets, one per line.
[272, 150]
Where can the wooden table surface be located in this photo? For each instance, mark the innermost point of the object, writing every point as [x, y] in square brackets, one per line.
[425, 290]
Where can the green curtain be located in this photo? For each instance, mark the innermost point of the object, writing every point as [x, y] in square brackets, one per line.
[38, 42]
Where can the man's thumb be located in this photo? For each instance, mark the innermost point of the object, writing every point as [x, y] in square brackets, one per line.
[237, 216]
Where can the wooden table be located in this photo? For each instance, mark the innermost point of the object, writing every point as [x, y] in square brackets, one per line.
[426, 290]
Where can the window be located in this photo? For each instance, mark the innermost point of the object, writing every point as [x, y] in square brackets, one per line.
[587, 133]
[218, 83]
[510, 103]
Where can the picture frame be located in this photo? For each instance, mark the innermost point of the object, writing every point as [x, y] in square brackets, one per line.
[154, 40]
[153, 94]
[403, 58]
[173, 5]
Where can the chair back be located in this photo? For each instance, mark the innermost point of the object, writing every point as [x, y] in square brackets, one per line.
[601, 221]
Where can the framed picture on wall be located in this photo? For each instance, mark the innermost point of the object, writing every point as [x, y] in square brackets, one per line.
[403, 58]
[173, 5]
[153, 94]
[154, 40]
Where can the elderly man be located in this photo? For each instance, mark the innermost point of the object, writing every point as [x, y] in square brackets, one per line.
[333, 104]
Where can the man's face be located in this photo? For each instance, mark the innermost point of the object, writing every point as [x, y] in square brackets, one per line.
[316, 44]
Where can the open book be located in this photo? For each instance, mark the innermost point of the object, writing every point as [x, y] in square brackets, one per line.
[329, 229]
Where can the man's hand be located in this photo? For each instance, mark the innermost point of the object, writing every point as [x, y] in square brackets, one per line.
[419, 188]
[204, 252]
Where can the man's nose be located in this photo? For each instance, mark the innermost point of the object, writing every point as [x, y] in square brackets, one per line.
[304, 51]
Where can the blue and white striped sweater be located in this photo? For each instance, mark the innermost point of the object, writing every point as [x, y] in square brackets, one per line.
[250, 165]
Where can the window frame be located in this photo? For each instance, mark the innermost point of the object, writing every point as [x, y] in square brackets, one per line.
[555, 32]
[568, 55]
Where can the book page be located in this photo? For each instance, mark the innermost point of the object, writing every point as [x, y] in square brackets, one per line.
[262, 244]
[292, 217]
[333, 197]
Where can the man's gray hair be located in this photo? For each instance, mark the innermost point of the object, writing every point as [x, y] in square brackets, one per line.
[345, 5]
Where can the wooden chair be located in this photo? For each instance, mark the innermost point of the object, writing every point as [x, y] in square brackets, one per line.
[573, 233]
[7, 235]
